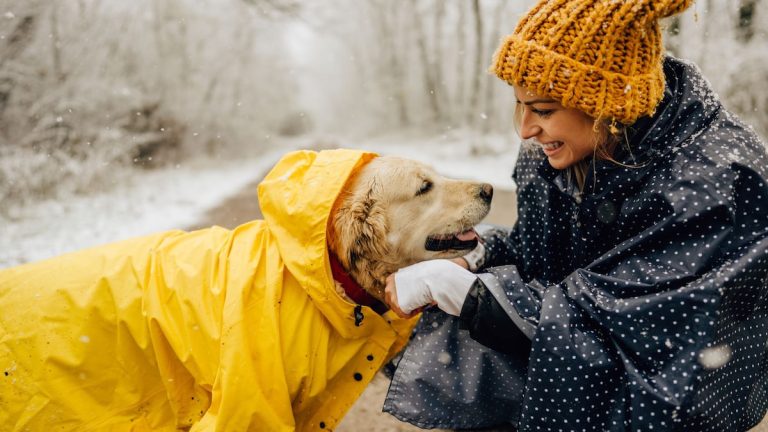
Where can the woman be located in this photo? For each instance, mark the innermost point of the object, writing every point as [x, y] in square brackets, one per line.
[632, 288]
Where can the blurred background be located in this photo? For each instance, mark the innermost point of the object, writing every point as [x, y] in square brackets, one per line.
[119, 118]
[99, 94]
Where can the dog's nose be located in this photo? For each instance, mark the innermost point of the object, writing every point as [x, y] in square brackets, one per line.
[486, 192]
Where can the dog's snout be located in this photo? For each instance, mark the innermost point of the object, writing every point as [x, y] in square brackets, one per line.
[486, 192]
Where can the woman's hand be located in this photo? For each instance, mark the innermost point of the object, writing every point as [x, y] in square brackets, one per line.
[390, 298]
[461, 262]
[442, 282]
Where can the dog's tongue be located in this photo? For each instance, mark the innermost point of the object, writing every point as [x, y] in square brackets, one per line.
[462, 241]
[467, 235]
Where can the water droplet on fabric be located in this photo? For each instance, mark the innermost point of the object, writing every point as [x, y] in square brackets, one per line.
[715, 357]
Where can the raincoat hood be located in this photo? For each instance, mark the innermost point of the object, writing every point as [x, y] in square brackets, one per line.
[206, 330]
[296, 198]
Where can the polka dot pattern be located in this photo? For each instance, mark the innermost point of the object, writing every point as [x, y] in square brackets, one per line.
[445, 379]
[649, 290]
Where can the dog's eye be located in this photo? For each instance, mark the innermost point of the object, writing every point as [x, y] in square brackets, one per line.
[426, 186]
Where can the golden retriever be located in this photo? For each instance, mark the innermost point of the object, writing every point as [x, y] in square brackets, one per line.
[397, 212]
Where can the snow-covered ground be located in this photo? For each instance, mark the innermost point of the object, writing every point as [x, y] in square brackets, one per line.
[153, 201]
[176, 197]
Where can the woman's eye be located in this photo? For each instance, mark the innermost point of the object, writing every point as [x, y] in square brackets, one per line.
[426, 186]
[542, 113]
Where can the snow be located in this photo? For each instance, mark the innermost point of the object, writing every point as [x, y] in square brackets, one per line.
[715, 357]
[177, 197]
[152, 201]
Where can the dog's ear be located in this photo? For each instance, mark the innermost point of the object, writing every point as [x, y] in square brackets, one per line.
[359, 228]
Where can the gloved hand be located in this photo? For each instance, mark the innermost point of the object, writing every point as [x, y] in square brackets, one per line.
[440, 282]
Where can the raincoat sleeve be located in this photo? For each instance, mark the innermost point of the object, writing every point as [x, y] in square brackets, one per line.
[635, 325]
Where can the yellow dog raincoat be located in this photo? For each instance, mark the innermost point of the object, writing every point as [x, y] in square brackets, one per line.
[206, 330]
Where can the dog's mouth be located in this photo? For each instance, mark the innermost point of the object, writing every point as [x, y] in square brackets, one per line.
[456, 241]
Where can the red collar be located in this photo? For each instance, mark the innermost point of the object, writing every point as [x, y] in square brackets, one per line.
[352, 288]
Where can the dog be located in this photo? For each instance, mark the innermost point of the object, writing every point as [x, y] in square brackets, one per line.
[398, 212]
[275, 325]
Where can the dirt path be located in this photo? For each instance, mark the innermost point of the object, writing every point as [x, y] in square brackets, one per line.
[366, 413]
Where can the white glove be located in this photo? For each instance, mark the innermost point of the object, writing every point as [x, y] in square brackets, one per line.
[437, 281]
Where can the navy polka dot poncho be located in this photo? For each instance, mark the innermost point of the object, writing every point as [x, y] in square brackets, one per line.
[639, 304]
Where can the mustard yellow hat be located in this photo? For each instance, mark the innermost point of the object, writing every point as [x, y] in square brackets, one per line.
[603, 57]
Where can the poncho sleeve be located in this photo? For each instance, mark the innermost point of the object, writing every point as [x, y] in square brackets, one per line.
[502, 246]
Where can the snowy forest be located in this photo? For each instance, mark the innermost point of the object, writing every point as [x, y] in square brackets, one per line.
[91, 89]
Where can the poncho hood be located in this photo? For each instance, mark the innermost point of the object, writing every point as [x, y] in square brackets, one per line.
[689, 107]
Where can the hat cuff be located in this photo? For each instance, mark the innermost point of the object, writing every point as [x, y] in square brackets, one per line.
[599, 93]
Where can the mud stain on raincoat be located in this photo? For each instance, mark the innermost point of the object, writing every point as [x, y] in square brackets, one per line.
[205, 330]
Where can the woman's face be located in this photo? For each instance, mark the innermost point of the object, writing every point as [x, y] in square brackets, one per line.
[565, 135]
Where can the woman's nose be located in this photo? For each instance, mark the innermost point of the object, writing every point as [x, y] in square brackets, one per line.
[528, 127]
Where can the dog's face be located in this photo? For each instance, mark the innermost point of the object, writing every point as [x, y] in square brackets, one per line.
[396, 212]
[429, 216]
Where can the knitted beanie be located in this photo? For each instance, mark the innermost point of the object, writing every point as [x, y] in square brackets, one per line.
[603, 57]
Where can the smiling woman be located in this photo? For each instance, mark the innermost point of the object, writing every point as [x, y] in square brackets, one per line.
[567, 136]
[640, 248]
[540, 119]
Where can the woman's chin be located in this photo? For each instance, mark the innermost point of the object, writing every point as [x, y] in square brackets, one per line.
[558, 163]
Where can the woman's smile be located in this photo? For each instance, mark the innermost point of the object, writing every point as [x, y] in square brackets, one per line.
[565, 135]
[551, 148]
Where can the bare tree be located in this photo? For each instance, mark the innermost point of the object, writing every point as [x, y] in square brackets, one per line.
[90, 88]
[460, 102]
[438, 63]
[746, 15]
[426, 64]
[475, 88]
[387, 33]
[19, 28]
[490, 100]
[58, 71]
